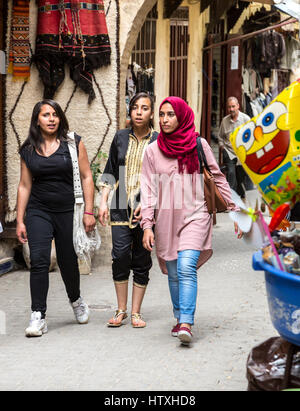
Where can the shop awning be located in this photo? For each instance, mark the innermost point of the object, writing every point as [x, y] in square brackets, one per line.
[261, 1]
[217, 10]
[227, 4]
[170, 6]
[233, 8]
[204, 4]
[234, 13]
[218, 7]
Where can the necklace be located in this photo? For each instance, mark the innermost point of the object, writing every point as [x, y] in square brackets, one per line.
[50, 147]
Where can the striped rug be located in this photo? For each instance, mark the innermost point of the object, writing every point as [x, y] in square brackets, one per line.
[19, 52]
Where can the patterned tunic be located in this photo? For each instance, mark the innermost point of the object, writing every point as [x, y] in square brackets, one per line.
[122, 174]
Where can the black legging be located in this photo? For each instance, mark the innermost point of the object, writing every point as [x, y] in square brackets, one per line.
[42, 227]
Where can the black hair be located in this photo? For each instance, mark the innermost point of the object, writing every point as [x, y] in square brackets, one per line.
[137, 97]
[35, 138]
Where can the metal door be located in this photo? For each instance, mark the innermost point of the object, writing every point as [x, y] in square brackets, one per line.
[179, 37]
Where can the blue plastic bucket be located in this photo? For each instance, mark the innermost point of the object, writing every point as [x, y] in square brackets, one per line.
[283, 290]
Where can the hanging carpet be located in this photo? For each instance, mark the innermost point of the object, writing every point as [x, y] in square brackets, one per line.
[72, 32]
[19, 47]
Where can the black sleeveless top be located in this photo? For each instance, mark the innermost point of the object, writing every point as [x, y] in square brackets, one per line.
[52, 178]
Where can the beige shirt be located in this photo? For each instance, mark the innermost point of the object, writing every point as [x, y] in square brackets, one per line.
[226, 128]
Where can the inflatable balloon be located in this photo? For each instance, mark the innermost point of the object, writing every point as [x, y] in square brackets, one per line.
[268, 147]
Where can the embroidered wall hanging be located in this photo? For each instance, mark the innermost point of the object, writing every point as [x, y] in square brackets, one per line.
[19, 47]
[72, 32]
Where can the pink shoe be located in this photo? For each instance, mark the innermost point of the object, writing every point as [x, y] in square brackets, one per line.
[175, 330]
[185, 335]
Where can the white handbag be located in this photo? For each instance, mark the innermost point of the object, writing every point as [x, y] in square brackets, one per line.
[85, 244]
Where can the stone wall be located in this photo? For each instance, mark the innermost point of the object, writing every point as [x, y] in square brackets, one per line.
[96, 123]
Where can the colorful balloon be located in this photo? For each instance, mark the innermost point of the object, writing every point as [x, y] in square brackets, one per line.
[268, 147]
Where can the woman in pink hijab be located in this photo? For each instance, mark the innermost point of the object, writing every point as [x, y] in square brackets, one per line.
[173, 200]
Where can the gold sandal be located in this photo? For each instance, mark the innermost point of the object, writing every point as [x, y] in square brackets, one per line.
[139, 321]
[116, 316]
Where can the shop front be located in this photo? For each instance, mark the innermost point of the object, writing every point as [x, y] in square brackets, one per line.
[253, 57]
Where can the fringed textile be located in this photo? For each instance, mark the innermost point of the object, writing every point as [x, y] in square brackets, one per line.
[19, 50]
[72, 32]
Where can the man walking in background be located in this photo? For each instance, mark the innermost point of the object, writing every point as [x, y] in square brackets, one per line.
[235, 172]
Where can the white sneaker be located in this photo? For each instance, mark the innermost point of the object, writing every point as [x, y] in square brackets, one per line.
[37, 326]
[81, 311]
[185, 335]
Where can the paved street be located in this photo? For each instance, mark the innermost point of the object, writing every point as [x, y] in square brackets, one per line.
[232, 317]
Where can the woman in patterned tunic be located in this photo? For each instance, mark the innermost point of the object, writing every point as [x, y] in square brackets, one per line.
[122, 173]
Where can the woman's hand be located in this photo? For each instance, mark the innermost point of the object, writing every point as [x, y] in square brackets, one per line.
[137, 214]
[238, 231]
[103, 214]
[21, 233]
[89, 222]
[148, 239]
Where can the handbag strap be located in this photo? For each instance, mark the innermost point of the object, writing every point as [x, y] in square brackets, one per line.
[201, 156]
[78, 193]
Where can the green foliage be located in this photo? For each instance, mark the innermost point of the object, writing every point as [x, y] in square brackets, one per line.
[96, 166]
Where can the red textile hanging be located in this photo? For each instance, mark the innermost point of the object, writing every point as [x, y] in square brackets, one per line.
[72, 32]
[19, 48]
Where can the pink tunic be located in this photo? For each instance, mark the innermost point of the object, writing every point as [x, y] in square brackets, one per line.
[175, 204]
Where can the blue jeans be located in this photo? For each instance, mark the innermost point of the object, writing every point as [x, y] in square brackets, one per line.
[182, 275]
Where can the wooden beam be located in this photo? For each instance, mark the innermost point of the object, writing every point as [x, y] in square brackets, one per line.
[204, 4]
[170, 6]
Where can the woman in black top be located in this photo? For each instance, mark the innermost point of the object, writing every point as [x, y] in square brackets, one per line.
[122, 174]
[45, 209]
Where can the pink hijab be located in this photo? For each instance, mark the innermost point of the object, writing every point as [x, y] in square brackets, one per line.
[182, 143]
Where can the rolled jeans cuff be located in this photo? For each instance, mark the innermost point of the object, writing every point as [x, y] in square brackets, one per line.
[186, 319]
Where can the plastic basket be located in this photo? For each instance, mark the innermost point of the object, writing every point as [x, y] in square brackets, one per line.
[283, 291]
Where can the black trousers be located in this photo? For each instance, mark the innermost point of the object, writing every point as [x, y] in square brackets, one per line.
[42, 227]
[235, 174]
[128, 254]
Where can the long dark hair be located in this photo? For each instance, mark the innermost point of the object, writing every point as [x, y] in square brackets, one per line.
[35, 138]
[138, 96]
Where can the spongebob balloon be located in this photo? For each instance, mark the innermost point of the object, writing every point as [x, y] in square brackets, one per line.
[268, 146]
